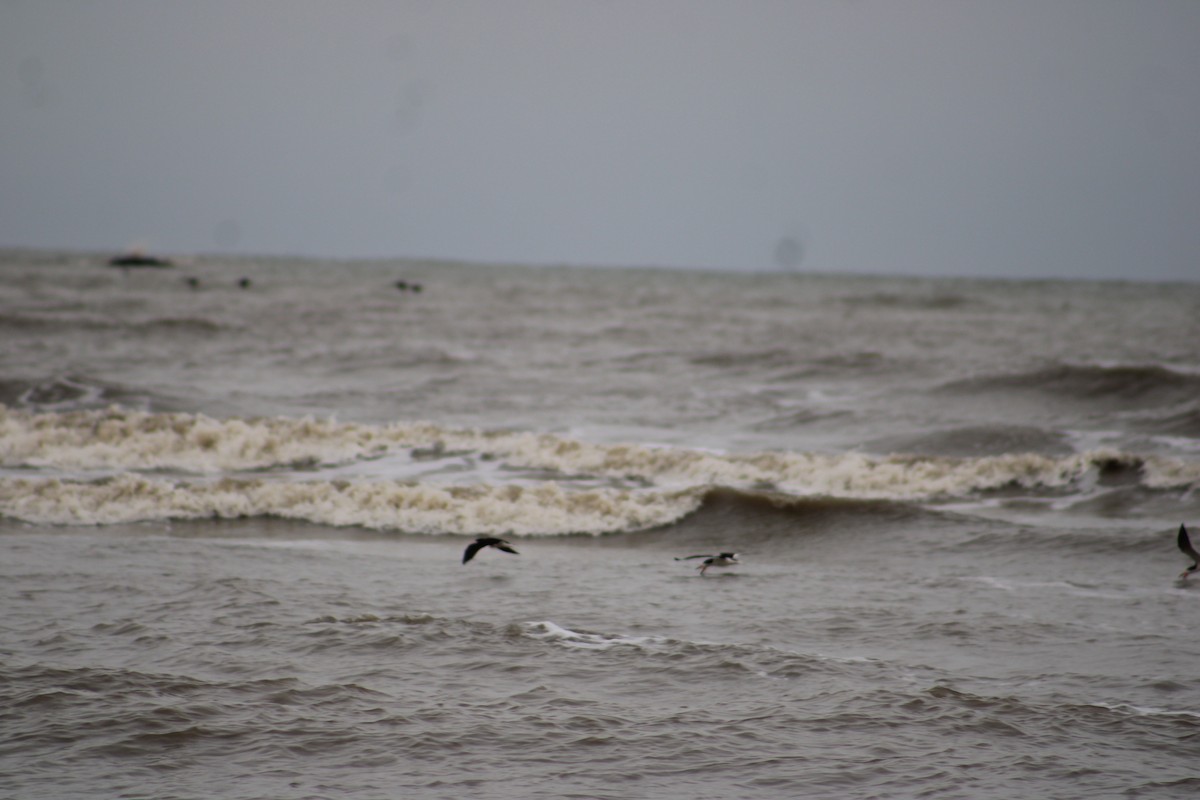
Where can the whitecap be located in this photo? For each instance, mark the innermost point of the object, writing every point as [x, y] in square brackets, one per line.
[553, 632]
[1144, 711]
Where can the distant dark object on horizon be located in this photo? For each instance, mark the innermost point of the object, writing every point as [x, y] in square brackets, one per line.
[139, 260]
[405, 286]
[193, 282]
[244, 283]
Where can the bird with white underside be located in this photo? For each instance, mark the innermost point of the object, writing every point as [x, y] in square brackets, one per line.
[711, 560]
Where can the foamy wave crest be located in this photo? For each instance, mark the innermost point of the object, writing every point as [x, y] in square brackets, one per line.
[544, 509]
[761, 661]
[849, 475]
[116, 439]
[123, 439]
[548, 631]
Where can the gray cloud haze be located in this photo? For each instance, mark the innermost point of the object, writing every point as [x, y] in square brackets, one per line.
[1017, 138]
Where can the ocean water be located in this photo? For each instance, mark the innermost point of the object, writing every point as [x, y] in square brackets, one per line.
[232, 520]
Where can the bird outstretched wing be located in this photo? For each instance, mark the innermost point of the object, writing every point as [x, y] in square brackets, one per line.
[486, 541]
[472, 549]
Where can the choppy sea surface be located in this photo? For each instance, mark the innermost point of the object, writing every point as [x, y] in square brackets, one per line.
[235, 495]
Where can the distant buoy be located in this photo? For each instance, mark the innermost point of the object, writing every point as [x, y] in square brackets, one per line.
[789, 252]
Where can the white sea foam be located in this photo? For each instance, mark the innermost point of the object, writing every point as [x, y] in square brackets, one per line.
[552, 632]
[1145, 711]
[545, 509]
[128, 440]
[848, 475]
[191, 442]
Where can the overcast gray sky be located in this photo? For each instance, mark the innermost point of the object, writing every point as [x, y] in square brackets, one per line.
[941, 137]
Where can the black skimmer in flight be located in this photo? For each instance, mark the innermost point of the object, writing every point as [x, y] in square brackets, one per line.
[1185, 544]
[487, 541]
[718, 560]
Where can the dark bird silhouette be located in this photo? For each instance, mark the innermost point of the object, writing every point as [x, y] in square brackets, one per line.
[486, 541]
[1185, 544]
[718, 560]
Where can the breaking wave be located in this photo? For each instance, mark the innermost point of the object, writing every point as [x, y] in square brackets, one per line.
[544, 509]
[117, 439]
[118, 466]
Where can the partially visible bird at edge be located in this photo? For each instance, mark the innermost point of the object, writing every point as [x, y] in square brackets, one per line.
[1185, 544]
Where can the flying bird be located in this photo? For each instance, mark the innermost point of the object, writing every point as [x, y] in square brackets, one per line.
[1185, 544]
[718, 560]
[487, 541]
